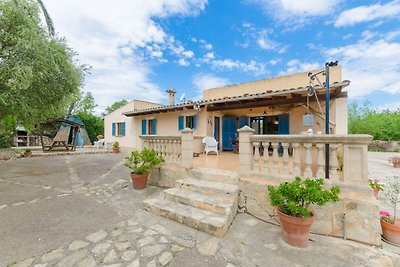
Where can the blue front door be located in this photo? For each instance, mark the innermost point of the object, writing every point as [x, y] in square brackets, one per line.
[283, 124]
[228, 132]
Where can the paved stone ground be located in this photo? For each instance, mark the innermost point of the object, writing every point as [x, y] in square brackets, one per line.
[81, 211]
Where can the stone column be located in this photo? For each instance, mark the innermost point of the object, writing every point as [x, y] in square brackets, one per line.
[187, 148]
[245, 149]
[355, 158]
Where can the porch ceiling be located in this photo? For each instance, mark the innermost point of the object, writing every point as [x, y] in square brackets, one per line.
[268, 98]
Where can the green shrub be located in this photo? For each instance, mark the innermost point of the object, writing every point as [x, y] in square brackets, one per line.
[115, 144]
[294, 198]
[28, 150]
[143, 161]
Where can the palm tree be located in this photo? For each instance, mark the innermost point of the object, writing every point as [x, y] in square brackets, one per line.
[49, 21]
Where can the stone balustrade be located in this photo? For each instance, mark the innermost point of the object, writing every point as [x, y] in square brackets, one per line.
[174, 149]
[288, 156]
[169, 147]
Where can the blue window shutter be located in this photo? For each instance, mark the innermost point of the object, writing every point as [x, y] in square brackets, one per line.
[283, 124]
[243, 121]
[194, 122]
[113, 129]
[144, 127]
[123, 128]
[154, 127]
[180, 123]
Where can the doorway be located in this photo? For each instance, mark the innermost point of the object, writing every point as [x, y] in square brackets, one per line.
[217, 122]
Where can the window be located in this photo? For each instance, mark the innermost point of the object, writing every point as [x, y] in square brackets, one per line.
[152, 127]
[149, 127]
[118, 129]
[190, 122]
[187, 122]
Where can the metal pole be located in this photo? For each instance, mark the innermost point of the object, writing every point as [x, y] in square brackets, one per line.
[327, 100]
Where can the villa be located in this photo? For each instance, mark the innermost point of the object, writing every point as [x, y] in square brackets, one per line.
[269, 106]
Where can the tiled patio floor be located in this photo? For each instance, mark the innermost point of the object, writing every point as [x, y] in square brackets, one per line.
[224, 161]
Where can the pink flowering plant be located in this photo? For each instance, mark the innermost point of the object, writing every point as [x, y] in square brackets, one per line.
[392, 197]
[375, 183]
[385, 216]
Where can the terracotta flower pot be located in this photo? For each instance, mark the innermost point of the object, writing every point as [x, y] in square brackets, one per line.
[295, 230]
[391, 232]
[27, 154]
[115, 149]
[376, 192]
[139, 181]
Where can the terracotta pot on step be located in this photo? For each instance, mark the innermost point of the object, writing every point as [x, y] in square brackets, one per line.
[27, 154]
[295, 230]
[391, 232]
[139, 181]
[376, 192]
[115, 149]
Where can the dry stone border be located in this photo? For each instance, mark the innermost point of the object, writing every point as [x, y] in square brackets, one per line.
[125, 244]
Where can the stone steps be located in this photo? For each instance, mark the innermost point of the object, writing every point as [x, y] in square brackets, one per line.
[208, 187]
[222, 176]
[204, 205]
[214, 204]
[199, 219]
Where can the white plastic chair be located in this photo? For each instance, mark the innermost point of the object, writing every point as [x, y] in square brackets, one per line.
[99, 144]
[211, 145]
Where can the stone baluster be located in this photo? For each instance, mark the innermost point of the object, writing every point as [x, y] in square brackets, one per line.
[167, 150]
[285, 159]
[174, 151]
[320, 160]
[187, 148]
[296, 159]
[179, 150]
[307, 160]
[256, 157]
[266, 158]
[245, 149]
[275, 158]
[333, 162]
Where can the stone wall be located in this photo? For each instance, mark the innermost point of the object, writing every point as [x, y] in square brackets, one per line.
[357, 203]
[359, 206]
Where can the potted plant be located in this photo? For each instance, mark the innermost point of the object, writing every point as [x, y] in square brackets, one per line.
[27, 153]
[115, 146]
[141, 163]
[376, 186]
[390, 224]
[395, 161]
[293, 200]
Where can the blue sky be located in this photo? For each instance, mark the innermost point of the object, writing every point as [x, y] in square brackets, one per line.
[137, 49]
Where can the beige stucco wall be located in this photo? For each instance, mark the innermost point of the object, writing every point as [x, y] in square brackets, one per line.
[275, 84]
[130, 125]
[167, 125]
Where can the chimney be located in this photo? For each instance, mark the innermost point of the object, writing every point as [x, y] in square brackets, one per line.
[171, 93]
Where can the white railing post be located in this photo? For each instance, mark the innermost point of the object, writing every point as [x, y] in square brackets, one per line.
[296, 159]
[275, 158]
[245, 149]
[333, 173]
[256, 164]
[307, 160]
[285, 159]
[187, 148]
[266, 158]
[320, 160]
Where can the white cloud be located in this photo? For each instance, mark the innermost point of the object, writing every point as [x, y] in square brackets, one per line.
[368, 13]
[230, 64]
[183, 62]
[266, 44]
[188, 54]
[108, 35]
[295, 66]
[371, 66]
[203, 81]
[390, 106]
[294, 13]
